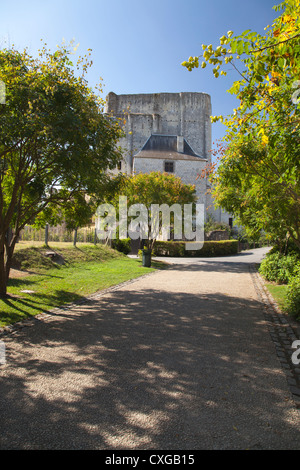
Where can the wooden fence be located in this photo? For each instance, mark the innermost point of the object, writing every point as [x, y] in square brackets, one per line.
[60, 234]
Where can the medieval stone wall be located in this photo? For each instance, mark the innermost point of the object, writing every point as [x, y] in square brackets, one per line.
[183, 114]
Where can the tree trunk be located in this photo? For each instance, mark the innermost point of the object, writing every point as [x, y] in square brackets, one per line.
[296, 239]
[9, 255]
[6, 254]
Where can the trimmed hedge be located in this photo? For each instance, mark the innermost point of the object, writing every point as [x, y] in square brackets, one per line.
[209, 249]
[122, 245]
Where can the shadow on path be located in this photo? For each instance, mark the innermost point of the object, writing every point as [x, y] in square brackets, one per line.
[148, 369]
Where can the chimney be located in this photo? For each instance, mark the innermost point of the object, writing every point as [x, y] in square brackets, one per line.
[180, 144]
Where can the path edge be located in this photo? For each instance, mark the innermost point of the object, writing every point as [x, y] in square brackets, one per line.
[283, 332]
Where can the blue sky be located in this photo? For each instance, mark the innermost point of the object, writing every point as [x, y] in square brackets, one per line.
[138, 45]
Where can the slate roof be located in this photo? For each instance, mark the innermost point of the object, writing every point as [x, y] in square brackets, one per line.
[165, 147]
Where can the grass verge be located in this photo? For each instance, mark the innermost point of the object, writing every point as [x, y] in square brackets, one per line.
[42, 282]
[278, 293]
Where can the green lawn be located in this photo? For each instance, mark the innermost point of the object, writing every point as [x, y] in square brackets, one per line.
[87, 269]
[278, 293]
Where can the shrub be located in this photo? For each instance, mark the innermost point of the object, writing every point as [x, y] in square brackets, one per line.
[168, 248]
[209, 249]
[278, 267]
[124, 245]
[286, 247]
[292, 298]
[212, 225]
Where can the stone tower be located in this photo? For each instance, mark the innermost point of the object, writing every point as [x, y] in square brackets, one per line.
[167, 132]
[169, 114]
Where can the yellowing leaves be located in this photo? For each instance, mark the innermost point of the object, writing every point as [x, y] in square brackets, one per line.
[276, 33]
[263, 136]
[275, 77]
[264, 140]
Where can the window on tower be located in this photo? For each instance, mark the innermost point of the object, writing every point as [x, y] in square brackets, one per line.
[169, 167]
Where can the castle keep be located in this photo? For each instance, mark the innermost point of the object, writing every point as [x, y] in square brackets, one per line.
[167, 132]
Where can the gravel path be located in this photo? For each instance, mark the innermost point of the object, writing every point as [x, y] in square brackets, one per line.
[179, 359]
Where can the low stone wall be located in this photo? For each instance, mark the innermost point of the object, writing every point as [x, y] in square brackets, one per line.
[217, 235]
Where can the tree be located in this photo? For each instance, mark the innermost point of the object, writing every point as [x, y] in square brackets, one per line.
[257, 177]
[262, 199]
[55, 142]
[156, 188]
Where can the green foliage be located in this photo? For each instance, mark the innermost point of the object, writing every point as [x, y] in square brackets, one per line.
[279, 268]
[285, 247]
[211, 225]
[209, 249]
[282, 266]
[292, 298]
[257, 185]
[257, 241]
[154, 188]
[55, 144]
[169, 248]
[258, 174]
[124, 245]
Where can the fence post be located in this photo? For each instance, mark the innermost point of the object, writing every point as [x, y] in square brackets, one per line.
[46, 234]
[75, 237]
